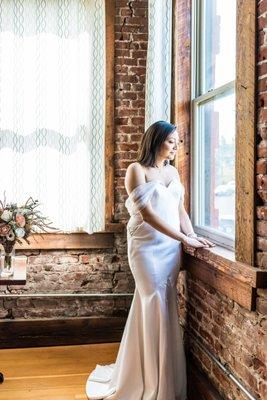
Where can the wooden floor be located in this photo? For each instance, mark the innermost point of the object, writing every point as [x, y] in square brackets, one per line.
[51, 373]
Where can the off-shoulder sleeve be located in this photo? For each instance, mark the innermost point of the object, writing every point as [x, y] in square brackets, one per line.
[139, 197]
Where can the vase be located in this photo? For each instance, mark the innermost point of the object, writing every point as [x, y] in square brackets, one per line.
[7, 261]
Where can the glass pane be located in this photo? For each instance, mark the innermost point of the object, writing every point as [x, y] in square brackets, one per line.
[218, 33]
[217, 163]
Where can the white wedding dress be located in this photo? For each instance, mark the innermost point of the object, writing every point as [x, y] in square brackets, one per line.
[150, 363]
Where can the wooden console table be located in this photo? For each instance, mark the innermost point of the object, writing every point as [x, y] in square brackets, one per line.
[18, 278]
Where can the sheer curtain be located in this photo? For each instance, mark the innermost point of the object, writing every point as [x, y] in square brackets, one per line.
[158, 75]
[52, 108]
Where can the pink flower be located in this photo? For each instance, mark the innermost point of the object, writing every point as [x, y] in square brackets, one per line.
[20, 220]
[4, 230]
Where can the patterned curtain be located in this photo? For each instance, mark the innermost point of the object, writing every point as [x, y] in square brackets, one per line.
[158, 75]
[52, 108]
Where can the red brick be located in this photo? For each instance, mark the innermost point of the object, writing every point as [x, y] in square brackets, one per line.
[262, 22]
[262, 54]
[121, 121]
[138, 121]
[263, 389]
[261, 181]
[261, 260]
[127, 61]
[261, 166]
[262, 147]
[262, 305]
[128, 147]
[261, 228]
[124, 112]
[262, 69]
[262, 243]
[262, 131]
[262, 8]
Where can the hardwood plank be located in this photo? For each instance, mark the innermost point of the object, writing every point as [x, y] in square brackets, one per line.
[54, 360]
[54, 373]
[67, 393]
[245, 131]
[45, 381]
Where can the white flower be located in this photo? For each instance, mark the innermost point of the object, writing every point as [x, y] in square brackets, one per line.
[20, 232]
[6, 216]
[19, 211]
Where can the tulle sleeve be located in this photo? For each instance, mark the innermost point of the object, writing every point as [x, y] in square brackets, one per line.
[181, 201]
[139, 197]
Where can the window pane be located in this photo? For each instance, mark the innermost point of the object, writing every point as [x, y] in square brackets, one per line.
[217, 163]
[218, 35]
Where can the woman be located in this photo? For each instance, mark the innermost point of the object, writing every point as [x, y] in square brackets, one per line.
[150, 364]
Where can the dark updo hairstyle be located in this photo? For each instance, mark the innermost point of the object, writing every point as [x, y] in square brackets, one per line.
[151, 142]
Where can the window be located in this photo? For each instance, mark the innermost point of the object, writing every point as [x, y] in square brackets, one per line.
[213, 120]
[52, 109]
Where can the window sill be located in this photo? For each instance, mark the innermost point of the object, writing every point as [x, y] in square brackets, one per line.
[218, 268]
[75, 240]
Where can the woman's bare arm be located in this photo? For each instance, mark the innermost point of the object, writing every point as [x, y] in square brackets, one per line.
[185, 222]
[187, 227]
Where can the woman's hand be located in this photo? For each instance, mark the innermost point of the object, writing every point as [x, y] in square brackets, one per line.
[197, 242]
[205, 241]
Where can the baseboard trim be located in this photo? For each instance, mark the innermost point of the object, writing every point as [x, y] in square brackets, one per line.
[59, 332]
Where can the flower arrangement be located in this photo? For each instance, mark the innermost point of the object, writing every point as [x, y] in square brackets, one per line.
[17, 223]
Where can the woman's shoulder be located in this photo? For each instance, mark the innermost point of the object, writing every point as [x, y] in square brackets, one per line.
[135, 175]
[136, 167]
[173, 171]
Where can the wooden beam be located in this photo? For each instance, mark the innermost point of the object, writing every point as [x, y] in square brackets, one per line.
[109, 130]
[103, 240]
[235, 289]
[245, 131]
[223, 260]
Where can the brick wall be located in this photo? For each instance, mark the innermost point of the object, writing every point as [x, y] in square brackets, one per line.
[234, 335]
[96, 271]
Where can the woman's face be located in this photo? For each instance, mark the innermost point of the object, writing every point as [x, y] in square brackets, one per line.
[169, 146]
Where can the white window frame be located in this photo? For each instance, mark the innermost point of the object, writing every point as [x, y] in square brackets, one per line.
[198, 99]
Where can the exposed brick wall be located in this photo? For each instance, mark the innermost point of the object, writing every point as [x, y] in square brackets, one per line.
[130, 52]
[261, 166]
[96, 271]
[233, 334]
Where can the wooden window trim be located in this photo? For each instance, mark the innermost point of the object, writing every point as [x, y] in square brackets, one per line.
[100, 239]
[230, 272]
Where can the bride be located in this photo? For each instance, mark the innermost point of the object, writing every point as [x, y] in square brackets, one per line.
[150, 363]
